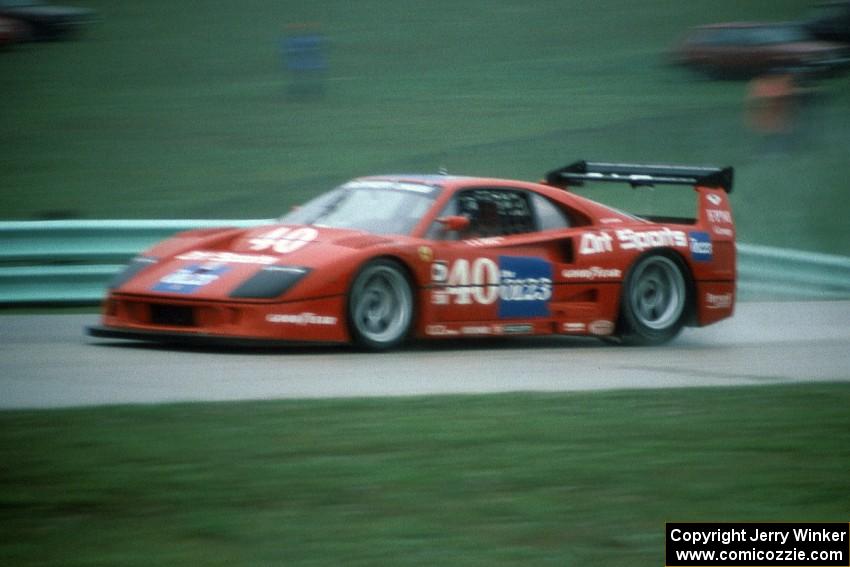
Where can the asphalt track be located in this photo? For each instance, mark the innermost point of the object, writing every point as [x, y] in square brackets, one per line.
[46, 361]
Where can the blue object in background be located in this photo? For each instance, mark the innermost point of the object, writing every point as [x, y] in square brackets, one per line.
[304, 53]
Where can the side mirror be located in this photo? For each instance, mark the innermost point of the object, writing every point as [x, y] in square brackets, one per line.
[454, 222]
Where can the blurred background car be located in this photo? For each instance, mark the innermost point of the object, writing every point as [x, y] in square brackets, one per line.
[45, 21]
[830, 21]
[738, 49]
[12, 31]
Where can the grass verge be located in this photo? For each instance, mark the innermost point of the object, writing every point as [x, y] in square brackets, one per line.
[474, 480]
[164, 110]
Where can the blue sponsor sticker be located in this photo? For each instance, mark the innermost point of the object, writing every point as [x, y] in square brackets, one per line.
[701, 247]
[525, 287]
[190, 278]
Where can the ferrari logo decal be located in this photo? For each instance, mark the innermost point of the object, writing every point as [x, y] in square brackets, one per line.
[426, 254]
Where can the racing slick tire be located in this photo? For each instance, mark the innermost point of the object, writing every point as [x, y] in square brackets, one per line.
[380, 306]
[654, 302]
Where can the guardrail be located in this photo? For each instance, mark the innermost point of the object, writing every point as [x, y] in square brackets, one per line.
[774, 272]
[71, 262]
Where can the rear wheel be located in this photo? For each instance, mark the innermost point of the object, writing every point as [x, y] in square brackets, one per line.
[654, 301]
[380, 306]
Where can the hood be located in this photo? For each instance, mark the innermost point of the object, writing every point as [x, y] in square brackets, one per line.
[298, 242]
[211, 265]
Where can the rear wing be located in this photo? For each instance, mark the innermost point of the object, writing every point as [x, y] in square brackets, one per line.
[638, 175]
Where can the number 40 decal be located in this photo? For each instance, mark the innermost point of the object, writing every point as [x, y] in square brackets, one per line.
[284, 240]
[483, 281]
[478, 282]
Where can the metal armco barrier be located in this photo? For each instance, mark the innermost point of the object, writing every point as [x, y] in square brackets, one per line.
[774, 272]
[71, 262]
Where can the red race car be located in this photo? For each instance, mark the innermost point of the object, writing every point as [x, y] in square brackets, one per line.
[382, 259]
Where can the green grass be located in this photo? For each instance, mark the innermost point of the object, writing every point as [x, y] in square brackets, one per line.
[177, 109]
[531, 479]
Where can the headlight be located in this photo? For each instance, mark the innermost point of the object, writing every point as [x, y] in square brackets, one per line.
[270, 282]
[135, 266]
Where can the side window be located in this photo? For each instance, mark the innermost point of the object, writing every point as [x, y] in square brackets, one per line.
[496, 212]
[491, 212]
[549, 215]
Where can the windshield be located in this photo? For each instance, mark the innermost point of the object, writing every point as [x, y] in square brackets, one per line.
[780, 34]
[758, 35]
[379, 207]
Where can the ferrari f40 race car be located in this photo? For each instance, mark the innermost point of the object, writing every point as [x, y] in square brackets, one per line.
[382, 259]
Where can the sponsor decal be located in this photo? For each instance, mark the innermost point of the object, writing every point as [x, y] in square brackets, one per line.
[628, 239]
[440, 297]
[601, 327]
[515, 330]
[439, 331]
[719, 216]
[426, 254]
[521, 286]
[302, 319]
[191, 278]
[487, 241]
[714, 199]
[440, 271]
[284, 240]
[574, 327]
[497, 330]
[632, 240]
[722, 231]
[595, 243]
[525, 287]
[479, 330]
[701, 248]
[718, 300]
[227, 257]
[591, 273]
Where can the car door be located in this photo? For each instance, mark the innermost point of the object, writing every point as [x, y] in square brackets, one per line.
[501, 268]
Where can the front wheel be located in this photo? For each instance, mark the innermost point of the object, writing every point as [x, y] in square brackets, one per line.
[654, 301]
[380, 306]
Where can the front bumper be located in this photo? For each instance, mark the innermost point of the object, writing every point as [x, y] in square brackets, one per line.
[192, 339]
[155, 318]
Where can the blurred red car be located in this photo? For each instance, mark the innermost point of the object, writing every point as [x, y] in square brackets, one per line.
[830, 21]
[12, 31]
[381, 259]
[47, 21]
[747, 49]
